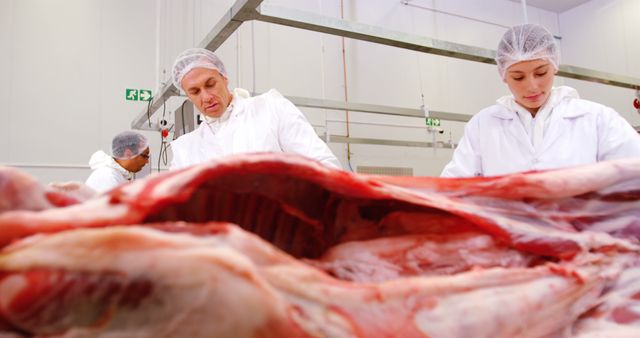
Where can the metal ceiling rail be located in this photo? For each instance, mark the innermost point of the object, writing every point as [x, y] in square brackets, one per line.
[396, 143]
[359, 31]
[244, 10]
[374, 108]
[574, 72]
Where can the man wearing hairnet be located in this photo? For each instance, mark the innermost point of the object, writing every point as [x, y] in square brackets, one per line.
[235, 123]
[539, 126]
[130, 152]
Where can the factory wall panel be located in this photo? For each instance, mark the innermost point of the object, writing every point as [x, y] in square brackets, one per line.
[70, 62]
[6, 68]
[603, 35]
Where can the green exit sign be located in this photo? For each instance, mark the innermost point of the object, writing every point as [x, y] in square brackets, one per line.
[137, 94]
[433, 122]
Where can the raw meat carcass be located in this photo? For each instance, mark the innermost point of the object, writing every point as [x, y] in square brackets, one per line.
[618, 312]
[77, 190]
[341, 255]
[19, 191]
[305, 208]
[224, 282]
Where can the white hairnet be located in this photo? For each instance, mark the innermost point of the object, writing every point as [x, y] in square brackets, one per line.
[195, 58]
[524, 43]
[131, 140]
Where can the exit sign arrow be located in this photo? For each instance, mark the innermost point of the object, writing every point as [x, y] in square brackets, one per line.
[138, 94]
[145, 95]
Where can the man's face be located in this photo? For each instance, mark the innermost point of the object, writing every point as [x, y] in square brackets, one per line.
[207, 89]
[530, 83]
[138, 162]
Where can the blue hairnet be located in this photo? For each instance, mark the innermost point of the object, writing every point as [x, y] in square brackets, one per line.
[524, 43]
[131, 140]
[195, 58]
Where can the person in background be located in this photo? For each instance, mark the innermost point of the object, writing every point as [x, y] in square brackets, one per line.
[235, 123]
[130, 152]
[539, 126]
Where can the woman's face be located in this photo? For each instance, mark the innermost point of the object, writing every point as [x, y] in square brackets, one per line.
[530, 82]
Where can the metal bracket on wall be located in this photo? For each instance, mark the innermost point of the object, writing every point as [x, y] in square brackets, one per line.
[245, 10]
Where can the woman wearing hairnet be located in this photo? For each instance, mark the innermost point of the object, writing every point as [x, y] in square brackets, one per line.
[235, 123]
[130, 152]
[539, 126]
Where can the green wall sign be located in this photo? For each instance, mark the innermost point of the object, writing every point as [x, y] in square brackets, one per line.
[137, 94]
[433, 122]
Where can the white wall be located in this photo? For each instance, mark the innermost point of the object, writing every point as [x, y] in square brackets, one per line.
[67, 62]
[65, 66]
[604, 35]
[6, 39]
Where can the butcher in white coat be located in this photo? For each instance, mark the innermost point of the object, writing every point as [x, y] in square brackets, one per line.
[236, 123]
[538, 126]
[129, 154]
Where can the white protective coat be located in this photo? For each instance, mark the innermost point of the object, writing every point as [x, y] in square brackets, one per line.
[107, 173]
[264, 123]
[570, 132]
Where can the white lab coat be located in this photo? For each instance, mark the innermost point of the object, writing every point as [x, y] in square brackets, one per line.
[570, 131]
[107, 173]
[264, 123]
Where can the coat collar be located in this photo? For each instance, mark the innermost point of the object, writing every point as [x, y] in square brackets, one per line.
[239, 95]
[558, 95]
[100, 159]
